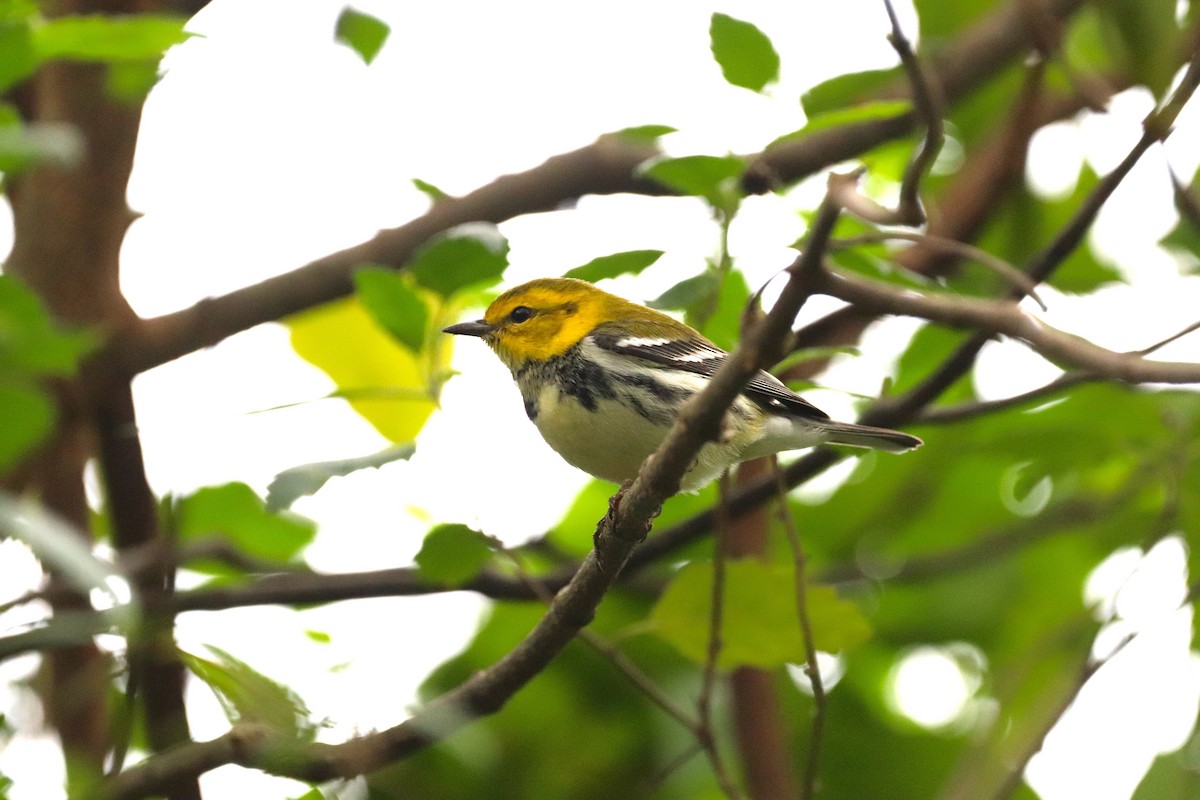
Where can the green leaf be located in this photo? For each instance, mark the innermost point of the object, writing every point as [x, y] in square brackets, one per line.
[132, 80]
[453, 554]
[1184, 241]
[28, 415]
[877, 109]
[59, 545]
[236, 512]
[362, 33]
[432, 192]
[760, 626]
[464, 256]
[320, 637]
[1146, 32]
[928, 350]
[630, 262]
[1027, 224]
[395, 304]
[711, 177]
[723, 325]
[30, 343]
[385, 382]
[943, 18]
[851, 89]
[247, 695]
[18, 60]
[573, 533]
[307, 479]
[745, 54]
[135, 37]
[645, 134]
[689, 293]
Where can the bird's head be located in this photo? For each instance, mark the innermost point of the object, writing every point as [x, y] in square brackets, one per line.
[542, 319]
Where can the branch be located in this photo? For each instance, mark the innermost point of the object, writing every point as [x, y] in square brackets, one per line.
[992, 317]
[608, 166]
[928, 103]
[625, 525]
[953, 247]
[812, 668]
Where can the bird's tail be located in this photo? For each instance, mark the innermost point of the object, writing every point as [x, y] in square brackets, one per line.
[868, 436]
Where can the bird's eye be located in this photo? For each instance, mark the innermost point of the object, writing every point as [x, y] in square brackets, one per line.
[520, 313]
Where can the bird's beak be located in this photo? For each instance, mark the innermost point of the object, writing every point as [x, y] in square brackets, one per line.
[477, 328]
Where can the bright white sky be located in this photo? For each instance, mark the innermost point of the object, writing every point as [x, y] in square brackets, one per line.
[267, 145]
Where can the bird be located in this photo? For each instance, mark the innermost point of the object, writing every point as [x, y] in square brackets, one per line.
[604, 378]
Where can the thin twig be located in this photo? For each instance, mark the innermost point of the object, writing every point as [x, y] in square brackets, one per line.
[954, 247]
[991, 317]
[927, 96]
[641, 681]
[617, 534]
[963, 411]
[716, 620]
[812, 668]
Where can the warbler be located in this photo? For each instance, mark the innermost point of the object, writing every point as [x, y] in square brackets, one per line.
[604, 378]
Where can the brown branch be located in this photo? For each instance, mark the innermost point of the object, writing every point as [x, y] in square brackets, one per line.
[959, 68]
[705, 734]
[607, 166]
[987, 548]
[992, 317]
[928, 103]
[1008, 272]
[618, 533]
[812, 668]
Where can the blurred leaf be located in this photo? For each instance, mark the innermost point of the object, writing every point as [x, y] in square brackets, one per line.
[464, 256]
[32, 348]
[645, 134]
[132, 80]
[711, 177]
[23, 146]
[58, 545]
[453, 554]
[247, 695]
[573, 533]
[940, 19]
[630, 262]
[928, 350]
[236, 512]
[395, 304]
[18, 59]
[1145, 31]
[28, 415]
[362, 33]
[1026, 224]
[745, 54]
[760, 626]
[877, 109]
[520, 751]
[689, 293]
[851, 89]
[1184, 241]
[133, 37]
[431, 191]
[290, 485]
[723, 325]
[384, 382]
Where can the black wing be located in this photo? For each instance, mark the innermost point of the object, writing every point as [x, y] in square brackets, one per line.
[702, 357]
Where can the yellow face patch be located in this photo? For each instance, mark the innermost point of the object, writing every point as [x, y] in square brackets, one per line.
[543, 319]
